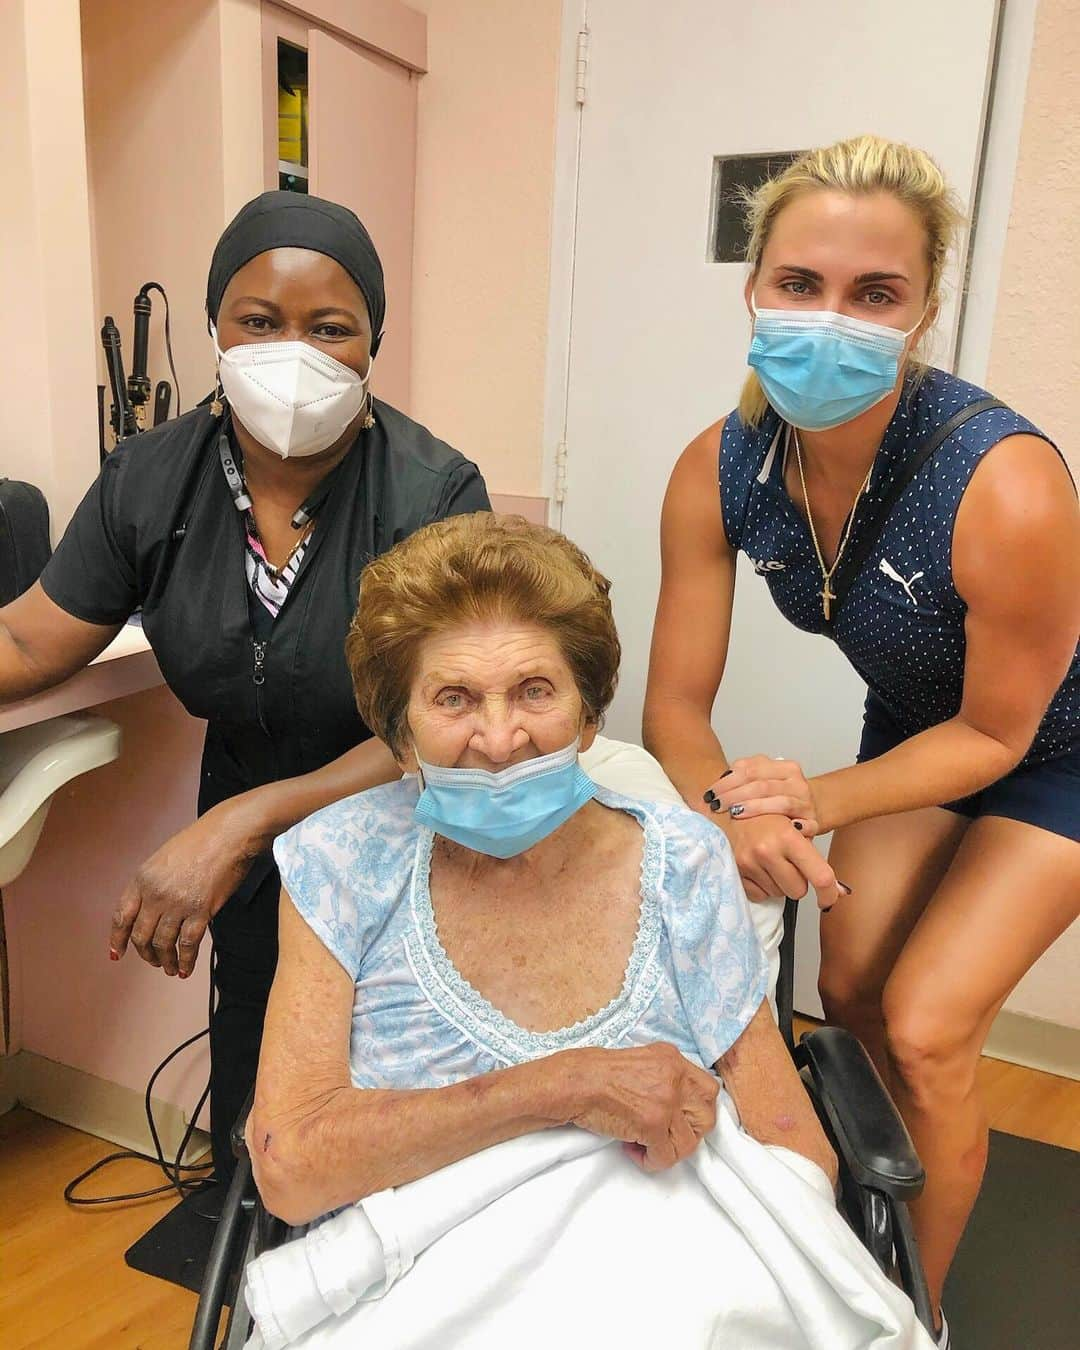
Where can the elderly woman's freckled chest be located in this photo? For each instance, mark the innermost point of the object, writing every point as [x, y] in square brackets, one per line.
[543, 950]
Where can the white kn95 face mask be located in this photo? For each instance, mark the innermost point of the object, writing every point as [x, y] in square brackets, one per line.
[291, 397]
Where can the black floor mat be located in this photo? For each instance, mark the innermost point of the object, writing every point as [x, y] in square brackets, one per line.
[1013, 1285]
[177, 1247]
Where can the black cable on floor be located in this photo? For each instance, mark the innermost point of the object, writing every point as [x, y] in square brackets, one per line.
[172, 1169]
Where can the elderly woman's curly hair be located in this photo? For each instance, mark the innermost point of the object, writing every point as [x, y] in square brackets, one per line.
[470, 569]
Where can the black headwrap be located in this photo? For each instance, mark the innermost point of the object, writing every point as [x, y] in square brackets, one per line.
[296, 220]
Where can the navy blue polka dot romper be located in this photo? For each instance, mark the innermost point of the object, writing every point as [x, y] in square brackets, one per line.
[902, 623]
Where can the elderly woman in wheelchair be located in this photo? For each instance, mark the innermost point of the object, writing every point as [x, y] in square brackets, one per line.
[519, 1061]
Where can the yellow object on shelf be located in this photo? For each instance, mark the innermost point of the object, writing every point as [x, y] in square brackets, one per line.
[290, 125]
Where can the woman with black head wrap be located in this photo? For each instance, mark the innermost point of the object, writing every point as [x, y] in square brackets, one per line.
[241, 530]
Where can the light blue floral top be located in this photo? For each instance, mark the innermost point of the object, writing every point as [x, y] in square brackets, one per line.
[358, 872]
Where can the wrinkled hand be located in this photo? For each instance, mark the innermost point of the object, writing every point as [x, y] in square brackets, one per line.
[775, 859]
[165, 909]
[650, 1096]
[760, 786]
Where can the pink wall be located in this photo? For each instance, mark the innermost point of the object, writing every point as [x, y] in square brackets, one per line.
[48, 420]
[70, 1003]
[173, 134]
[239, 73]
[153, 133]
[353, 87]
[386, 26]
[485, 176]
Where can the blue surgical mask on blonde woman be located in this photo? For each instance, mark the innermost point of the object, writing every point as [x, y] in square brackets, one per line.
[854, 298]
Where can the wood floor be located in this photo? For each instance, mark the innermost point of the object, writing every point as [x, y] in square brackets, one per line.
[64, 1284]
[63, 1281]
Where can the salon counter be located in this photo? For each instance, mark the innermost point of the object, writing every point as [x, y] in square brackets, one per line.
[126, 666]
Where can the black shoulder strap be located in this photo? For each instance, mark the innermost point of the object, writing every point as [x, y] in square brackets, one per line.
[867, 536]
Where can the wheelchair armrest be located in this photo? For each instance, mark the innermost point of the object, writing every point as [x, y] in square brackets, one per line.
[236, 1134]
[867, 1129]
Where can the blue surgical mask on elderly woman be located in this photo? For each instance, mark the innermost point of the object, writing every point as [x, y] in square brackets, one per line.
[504, 813]
[819, 369]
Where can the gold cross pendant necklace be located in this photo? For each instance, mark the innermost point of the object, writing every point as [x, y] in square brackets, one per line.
[828, 595]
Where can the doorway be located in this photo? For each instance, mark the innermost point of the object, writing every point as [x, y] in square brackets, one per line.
[659, 329]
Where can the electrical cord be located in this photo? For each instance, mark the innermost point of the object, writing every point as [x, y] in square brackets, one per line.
[172, 1169]
[156, 286]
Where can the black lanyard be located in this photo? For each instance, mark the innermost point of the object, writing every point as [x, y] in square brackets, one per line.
[238, 488]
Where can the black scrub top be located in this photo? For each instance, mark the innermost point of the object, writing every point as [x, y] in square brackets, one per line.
[159, 529]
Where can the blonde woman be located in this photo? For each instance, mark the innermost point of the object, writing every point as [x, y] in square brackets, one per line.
[933, 534]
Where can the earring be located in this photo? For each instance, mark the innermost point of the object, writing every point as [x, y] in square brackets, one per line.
[216, 404]
[369, 416]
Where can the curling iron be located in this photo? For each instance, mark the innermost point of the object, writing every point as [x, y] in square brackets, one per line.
[138, 385]
[122, 414]
[130, 396]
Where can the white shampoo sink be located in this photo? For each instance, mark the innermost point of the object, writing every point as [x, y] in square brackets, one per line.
[35, 762]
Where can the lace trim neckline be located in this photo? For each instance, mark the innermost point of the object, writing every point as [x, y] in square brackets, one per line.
[464, 1006]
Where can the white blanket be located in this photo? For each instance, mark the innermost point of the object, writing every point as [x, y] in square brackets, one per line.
[557, 1239]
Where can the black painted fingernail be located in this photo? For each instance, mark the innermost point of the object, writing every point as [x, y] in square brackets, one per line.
[825, 909]
[797, 824]
[726, 772]
[845, 888]
[714, 805]
[737, 810]
[710, 796]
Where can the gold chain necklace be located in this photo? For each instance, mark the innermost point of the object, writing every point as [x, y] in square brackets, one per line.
[827, 593]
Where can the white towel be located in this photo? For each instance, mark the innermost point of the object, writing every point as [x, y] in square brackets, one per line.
[558, 1238]
[363, 1250]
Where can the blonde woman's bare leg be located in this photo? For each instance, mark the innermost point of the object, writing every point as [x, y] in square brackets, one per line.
[1010, 891]
[893, 865]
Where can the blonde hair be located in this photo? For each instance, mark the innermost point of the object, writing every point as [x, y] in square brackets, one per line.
[862, 165]
[467, 569]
